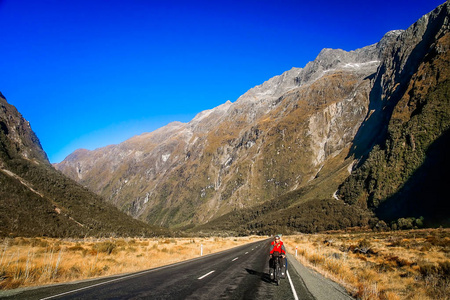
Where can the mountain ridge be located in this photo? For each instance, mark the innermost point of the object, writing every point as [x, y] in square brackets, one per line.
[37, 200]
[248, 109]
[276, 138]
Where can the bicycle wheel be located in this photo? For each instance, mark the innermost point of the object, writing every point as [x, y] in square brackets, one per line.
[278, 275]
[277, 272]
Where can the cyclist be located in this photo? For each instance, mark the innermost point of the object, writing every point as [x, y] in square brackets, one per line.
[277, 246]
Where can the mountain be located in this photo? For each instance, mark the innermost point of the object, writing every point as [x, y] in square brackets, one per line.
[290, 149]
[37, 200]
[405, 175]
[274, 139]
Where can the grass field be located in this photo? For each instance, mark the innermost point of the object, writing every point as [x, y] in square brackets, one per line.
[380, 265]
[373, 265]
[38, 261]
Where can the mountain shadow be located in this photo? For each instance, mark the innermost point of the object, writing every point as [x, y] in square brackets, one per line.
[384, 96]
[426, 191]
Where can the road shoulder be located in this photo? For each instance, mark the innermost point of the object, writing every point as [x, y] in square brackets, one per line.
[319, 286]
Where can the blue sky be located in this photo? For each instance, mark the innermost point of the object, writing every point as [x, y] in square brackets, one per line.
[90, 73]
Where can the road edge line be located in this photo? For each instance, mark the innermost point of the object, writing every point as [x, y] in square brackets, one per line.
[86, 287]
[292, 286]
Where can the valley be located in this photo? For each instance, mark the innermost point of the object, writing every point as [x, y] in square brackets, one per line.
[346, 157]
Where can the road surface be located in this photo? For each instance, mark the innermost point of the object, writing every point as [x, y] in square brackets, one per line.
[239, 273]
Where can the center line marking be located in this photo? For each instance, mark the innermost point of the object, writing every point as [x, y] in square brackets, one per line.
[235, 259]
[201, 277]
[246, 252]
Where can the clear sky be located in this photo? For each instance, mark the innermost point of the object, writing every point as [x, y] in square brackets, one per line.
[89, 73]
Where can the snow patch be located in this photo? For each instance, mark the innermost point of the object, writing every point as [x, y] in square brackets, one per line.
[350, 167]
[335, 195]
[165, 157]
[359, 65]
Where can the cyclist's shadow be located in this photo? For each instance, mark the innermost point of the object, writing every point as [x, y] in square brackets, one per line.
[264, 276]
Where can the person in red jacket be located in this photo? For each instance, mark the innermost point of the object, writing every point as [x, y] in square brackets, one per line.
[277, 246]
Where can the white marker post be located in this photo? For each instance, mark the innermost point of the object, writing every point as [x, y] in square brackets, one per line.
[201, 249]
[295, 251]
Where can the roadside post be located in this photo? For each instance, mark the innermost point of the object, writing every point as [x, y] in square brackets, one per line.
[201, 249]
[295, 251]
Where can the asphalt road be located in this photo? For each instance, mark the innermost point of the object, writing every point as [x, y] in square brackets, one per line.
[239, 273]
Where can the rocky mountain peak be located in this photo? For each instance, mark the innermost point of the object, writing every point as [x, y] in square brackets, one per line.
[16, 136]
[203, 156]
[327, 60]
[207, 118]
[280, 136]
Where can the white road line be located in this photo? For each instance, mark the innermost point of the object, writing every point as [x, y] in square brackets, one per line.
[201, 277]
[120, 278]
[235, 259]
[128, 276]
[88, 287]
[246, 252]
[292, 286]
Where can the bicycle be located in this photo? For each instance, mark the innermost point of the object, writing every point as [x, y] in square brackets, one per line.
[277, 276]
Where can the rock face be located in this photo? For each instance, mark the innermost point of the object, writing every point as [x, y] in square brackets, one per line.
[278, 137]
[275, 138]
[17, 137]
[406, 174]
[37, 200]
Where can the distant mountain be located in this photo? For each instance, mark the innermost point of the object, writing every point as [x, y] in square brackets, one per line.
[37, 200]
[291, 152]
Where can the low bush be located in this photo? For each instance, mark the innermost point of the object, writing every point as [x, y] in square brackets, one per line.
[105, 247]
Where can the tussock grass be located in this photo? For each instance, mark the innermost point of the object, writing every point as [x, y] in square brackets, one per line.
[381, 265]
[37, 261]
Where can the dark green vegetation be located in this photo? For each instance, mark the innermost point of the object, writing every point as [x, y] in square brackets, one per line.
[278, 216]
[308, 209]
[406, 174]
[65, 210]
[37, 200]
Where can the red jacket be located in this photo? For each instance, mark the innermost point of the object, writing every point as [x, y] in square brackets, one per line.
[277, 247]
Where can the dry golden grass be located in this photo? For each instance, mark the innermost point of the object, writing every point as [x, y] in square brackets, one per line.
[37, 261]
[381, 265]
